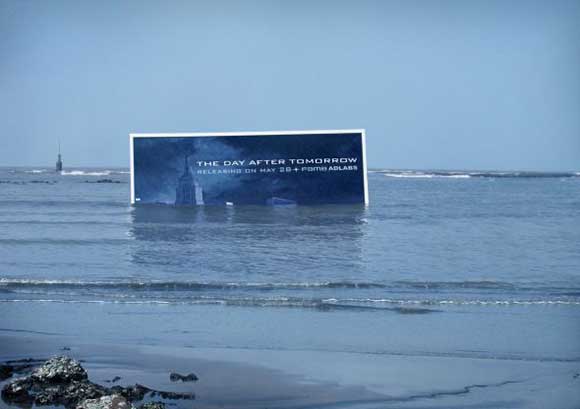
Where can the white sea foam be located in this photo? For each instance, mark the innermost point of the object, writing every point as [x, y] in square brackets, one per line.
[85, 173]
[33, 281]
[283, 302]
[427, 176]
[451, 302]
[35, 171]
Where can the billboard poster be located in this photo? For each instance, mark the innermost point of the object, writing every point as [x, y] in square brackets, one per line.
[255, 168]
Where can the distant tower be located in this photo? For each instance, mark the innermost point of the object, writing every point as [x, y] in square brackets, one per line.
[188, 191]
[59, 160]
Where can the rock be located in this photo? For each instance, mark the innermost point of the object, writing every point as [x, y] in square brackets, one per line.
[106, 402]
[173, 395]
[69, 394]
[152, 405]
[59, 381]
[191, 377]
[21, 366]
[115, 379]
[62, 381]
[132, 393]
[60, 369]
[17, 391]
[6, 372]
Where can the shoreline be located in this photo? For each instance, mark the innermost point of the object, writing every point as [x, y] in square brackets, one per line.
[222, 383]
[253, 379]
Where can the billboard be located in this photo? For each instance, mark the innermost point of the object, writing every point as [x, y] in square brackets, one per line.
[239, 168]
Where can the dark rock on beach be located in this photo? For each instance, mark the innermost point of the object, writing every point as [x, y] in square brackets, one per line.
[63, 381]
[59, 381]
[175, 377]
[152, 405]
[17, 367]
[6, 372]
[69, 394]
[106, 402]
[17, 392]
[173, 395]
[60, 369]
[132, 393]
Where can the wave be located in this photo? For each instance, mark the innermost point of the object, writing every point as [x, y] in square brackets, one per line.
[60, 204]
[85, 173]
[425, 175]
[351, 285]
[99, 172]
[455, 302]
[22, 182]
[72, 172]
[183, 285]
[240, 302]
[63, 242]
[402, 297]
[415, 174]
[402, 306]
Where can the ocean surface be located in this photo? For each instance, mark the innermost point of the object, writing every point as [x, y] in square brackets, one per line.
[467, 265]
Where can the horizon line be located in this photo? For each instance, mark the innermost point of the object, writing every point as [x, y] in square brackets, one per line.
[370, 168]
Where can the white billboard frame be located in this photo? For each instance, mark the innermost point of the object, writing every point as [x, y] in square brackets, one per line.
[134, 135]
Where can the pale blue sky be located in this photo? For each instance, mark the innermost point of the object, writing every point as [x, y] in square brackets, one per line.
[490, 84]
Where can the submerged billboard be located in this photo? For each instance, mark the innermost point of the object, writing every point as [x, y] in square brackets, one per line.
[261, 168]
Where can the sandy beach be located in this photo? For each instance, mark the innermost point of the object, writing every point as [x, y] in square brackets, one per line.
[247, 378]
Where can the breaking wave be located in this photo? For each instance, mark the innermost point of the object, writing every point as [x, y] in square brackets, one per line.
[400, 297]
[425, 175]
[85, 173]
[470, 287]
[22, 182]
[193, 285]
[413, 174]
[402, 306]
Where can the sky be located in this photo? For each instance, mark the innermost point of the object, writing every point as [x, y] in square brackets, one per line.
[437, 84]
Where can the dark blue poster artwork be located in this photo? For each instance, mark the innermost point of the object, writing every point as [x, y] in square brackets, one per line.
[262, 168]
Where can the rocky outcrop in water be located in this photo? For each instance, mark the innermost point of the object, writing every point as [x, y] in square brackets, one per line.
[106, 402]
[175, 377]
[63, 381]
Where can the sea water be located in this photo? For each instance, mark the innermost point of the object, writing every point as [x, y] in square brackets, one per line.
[471, 266]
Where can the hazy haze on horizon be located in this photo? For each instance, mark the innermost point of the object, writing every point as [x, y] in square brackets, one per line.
[444, 85]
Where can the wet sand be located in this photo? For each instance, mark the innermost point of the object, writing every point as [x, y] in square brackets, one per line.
[246, 378]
